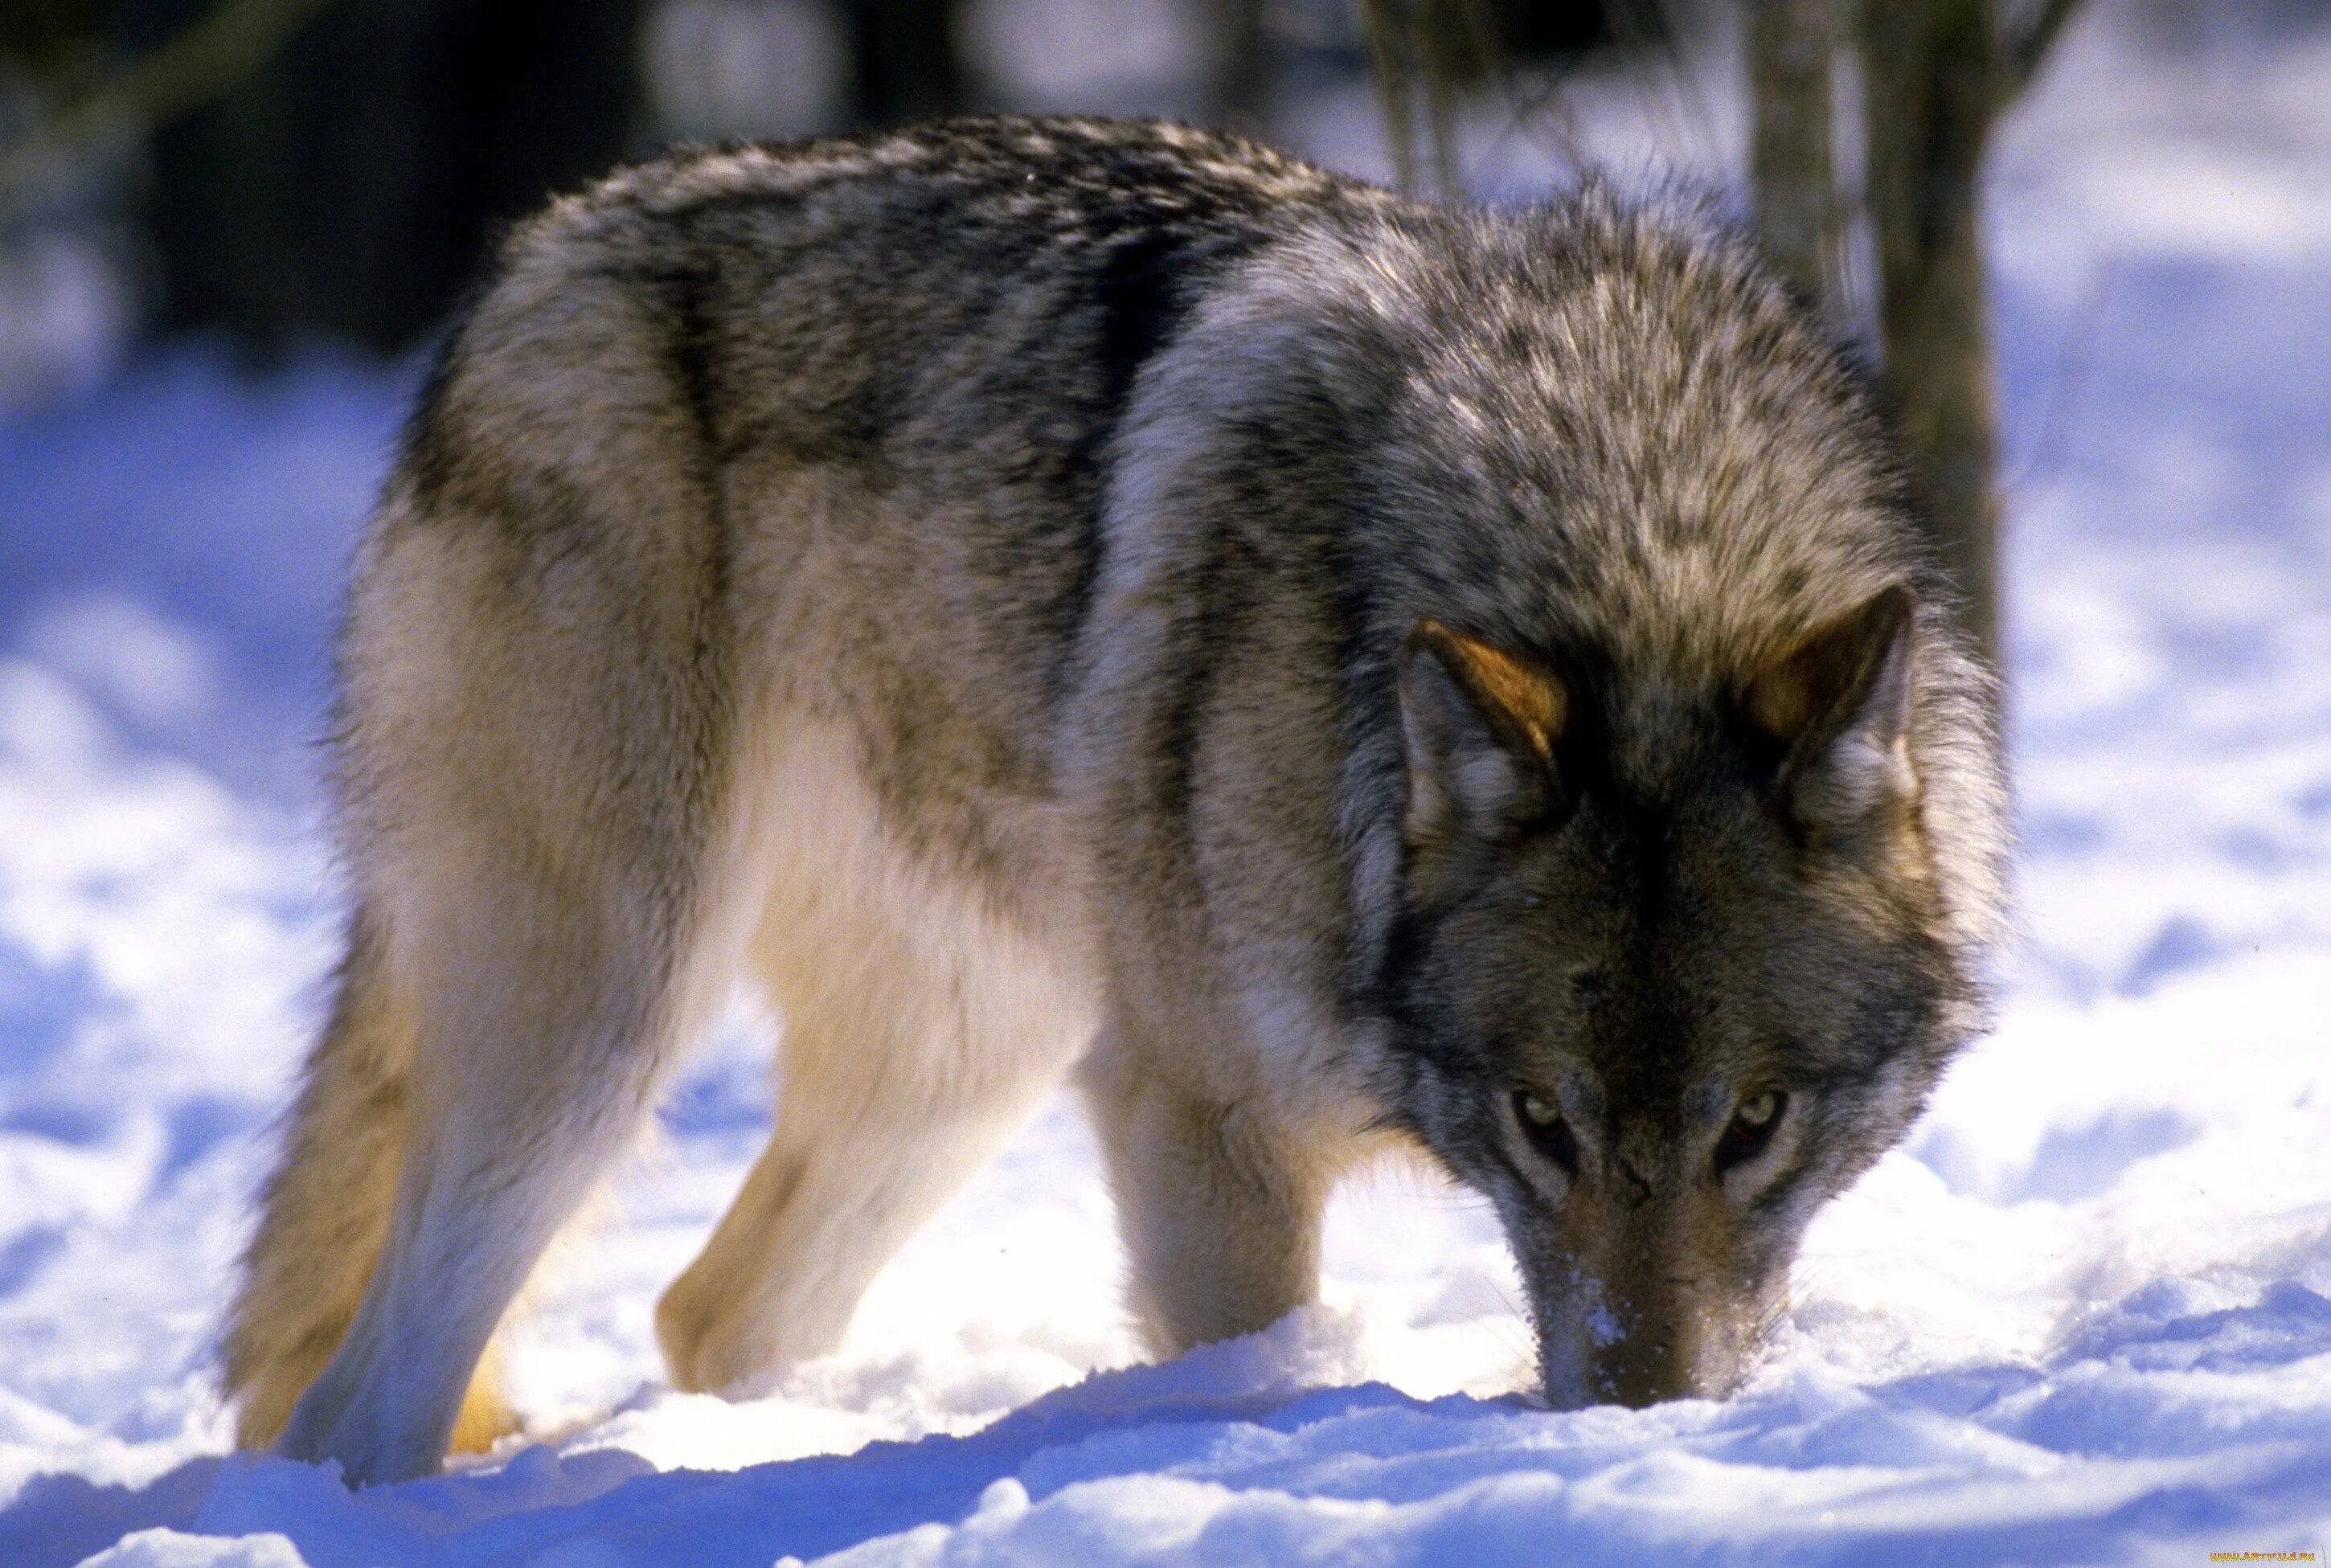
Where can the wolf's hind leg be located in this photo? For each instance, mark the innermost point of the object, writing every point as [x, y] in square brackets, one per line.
[845, 1179]
[544, 831]
[538, 1054]
[325, 1212]
[919, 1033]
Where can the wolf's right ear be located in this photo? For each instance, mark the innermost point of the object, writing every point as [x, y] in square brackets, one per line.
[1839, 706]
[1480, 726]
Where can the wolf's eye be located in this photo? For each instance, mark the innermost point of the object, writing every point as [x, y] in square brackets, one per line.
[1548, 1134]
[1752, 1125]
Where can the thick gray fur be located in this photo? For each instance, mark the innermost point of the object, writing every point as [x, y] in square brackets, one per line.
[1353, 674]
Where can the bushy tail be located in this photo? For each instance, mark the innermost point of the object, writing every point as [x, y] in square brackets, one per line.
[325, 1213]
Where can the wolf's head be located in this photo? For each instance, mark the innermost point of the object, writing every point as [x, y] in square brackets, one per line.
[1668, 974]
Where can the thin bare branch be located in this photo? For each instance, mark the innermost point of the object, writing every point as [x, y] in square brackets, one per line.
[1388, 66]
[201, 63]
[2026, 50]
[1452, 48]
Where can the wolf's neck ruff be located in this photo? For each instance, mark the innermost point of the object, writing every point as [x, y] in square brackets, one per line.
[1040, 591]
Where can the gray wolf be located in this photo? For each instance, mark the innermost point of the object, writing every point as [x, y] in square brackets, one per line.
[1337, 674]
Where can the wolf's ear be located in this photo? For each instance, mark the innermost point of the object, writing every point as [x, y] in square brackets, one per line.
[1838, 703]
[1480, 726]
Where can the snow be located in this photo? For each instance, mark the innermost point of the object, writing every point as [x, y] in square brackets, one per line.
[2083, 1315]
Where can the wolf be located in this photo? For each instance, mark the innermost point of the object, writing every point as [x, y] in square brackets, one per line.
[1057, 598]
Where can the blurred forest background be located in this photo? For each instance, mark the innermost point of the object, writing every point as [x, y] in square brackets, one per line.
[274, 170]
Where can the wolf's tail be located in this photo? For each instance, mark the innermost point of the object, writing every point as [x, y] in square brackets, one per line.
[325, 1212]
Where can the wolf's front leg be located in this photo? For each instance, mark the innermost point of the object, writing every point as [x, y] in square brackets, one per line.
[1218, 1200]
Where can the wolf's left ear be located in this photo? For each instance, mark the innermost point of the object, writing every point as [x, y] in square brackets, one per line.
[1838, 704]
[1480, 726]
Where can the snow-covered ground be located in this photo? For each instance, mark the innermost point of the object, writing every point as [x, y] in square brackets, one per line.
[2083, 1317]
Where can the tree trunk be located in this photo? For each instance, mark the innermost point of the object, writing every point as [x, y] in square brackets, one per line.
[1791, 44]
[1241, 76]
[1934, 81]
[903, 56]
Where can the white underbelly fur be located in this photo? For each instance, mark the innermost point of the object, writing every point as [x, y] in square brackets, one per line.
[869, 947]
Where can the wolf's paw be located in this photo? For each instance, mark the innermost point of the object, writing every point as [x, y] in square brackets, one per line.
[374, 1443]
